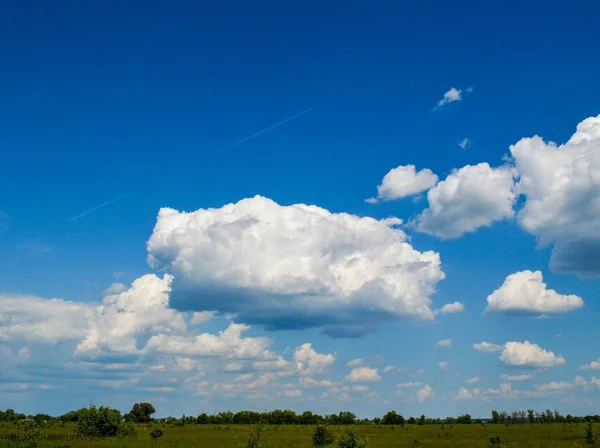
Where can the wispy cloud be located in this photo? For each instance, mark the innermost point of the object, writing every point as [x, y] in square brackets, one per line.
[5, 220]
[256, 134]
[464, 143]
[97, 207]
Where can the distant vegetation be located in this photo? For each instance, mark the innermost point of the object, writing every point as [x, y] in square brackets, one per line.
[285, 428]
[142, 413]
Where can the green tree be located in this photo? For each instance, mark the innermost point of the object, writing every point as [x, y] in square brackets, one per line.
[392, 418]
[495, 416]
[202, 419]
[464, 419]
[346, 418]
[141, 412]
[531, 416]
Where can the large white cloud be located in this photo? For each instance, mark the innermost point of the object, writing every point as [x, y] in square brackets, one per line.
[526, 293]
[526, 354]
[43, 320]
[228, 344]
[561, 185]
[469, 198]
[149, 339]
[403, 181]
[293, 266]
[126, 314]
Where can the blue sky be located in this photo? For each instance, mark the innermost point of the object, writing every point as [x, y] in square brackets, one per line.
[122, 110]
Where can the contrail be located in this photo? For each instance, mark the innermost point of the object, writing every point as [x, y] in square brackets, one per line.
[250, 137]
[97, 207]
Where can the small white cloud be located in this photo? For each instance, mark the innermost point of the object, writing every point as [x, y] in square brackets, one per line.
[407, 385]
[444, 343]
[202, 317]
[473, 380]
[23, 354]
[307, 381]
[450, 308]
[363, 375]
[426, 393]
[115, 288]
[356, 363]
[522, 377]
[291, 393]
[464, 143]
[450, 96]
[526, 354]
[404, 181]
[443, 365]
[360, 388]
[466, 394]
[526, 293]
[309, 362]
[487, 347]
[594, 365]
[558, 387]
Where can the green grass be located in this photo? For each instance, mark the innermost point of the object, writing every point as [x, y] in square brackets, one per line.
[230, 436]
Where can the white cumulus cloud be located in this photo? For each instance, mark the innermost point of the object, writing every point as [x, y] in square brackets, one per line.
[526, 354]
[450, 96]
[526, 293]
[404, 181]
[561, 185]
[473, 380]
[594, 365]
[309, 362]
[444, 343]
[451, 308]
[294, 266]
[363, 375]
[426, 393]
[355, 362]
[469, 198]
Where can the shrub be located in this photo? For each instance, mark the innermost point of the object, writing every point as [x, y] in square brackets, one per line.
[495, 441]
[156, 433]
[127, 429]
[322, 436]
[29, 439]
[253, 439]
[350, 439]
[98, 422]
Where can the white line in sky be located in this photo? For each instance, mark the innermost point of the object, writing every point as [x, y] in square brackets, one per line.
[97, 207]
[273, 126]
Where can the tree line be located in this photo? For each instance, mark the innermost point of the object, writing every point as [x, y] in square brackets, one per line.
[142, 413]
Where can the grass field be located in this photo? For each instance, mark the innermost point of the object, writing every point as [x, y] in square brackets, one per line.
[232, 436]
